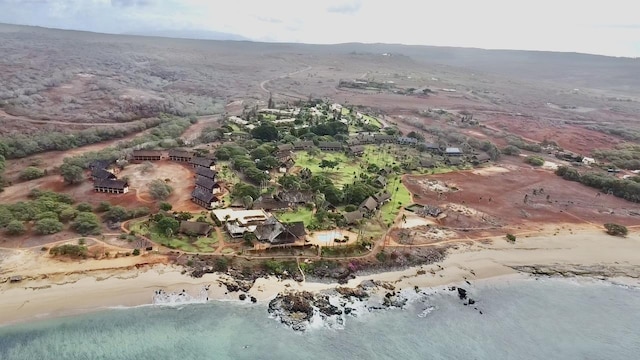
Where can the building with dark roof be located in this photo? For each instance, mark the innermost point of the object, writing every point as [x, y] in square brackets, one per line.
[205, 184]
[285, 147]
[381, 181]
[268, 203]
[303, 145]
[180, 155]
[206, 172]
[369, 205]
[111, 186]
[404, 140]
[353, 217]
[382, 198]
[454, 161]
[99, 164]
[330, 146]
[357, 150]
[275, 232]
[453, 151]
[204, 198]
[384, 138]
[295, 197]
[102, 174]
[203, 162]
[195, 228]
[480, 158]
[147, 155]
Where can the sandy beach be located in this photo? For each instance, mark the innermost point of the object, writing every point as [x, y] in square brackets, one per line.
[67, 288]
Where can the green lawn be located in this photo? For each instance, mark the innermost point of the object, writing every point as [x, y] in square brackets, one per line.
[180, 242]
[381, 157]
[342, 174]
[399, 198]
[372, 121]
[225, 173]
[302, 214]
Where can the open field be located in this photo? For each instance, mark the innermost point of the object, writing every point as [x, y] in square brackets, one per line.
[344, 173]
[302, 214]
[181, 178]
[486, 202]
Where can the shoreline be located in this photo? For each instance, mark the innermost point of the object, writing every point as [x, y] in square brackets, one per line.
[587, 254]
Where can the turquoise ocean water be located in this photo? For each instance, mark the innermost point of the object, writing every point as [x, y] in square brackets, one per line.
[521, 319]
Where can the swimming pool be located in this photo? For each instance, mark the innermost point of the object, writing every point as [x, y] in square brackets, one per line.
[330, 236]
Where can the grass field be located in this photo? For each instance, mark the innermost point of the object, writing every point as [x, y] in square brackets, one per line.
[399, 198]
[181, 242]
[342, 174]
[302, 214]
[372, 121]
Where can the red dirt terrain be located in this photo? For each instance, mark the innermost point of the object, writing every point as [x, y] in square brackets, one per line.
[496, 195]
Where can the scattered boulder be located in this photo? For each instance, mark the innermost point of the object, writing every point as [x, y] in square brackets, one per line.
[462, 293]
[243, 297]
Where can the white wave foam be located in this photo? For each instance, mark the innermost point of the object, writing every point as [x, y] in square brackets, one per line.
[164, 298]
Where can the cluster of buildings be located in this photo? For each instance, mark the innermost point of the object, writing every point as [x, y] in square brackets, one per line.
[264, 226]
[206, 188]
[367, 208]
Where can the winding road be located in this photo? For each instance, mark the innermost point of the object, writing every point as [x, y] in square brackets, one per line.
[263, 85]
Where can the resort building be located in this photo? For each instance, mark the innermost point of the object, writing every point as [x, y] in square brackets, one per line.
[180, 155]
[111, 186]
[205, 198]
[149, 155]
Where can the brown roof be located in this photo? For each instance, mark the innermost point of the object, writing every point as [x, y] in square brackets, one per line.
[369, 204]
[382, 197]
[353, 216]
[269, 203]
[285, 147]
[194, 227]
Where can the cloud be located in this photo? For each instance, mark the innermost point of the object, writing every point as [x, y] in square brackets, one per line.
[349, 8]
[130, 3]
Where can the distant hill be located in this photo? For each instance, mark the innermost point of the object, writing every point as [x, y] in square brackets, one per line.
[189, 34]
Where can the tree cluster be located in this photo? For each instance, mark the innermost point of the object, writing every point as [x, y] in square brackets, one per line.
[623, 188]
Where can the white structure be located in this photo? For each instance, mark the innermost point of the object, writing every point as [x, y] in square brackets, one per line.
[588, 160]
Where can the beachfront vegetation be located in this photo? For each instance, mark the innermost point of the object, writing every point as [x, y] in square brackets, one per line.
[70, 250]
[616, 229]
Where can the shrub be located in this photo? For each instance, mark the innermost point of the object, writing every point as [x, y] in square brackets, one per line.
[165, 206]
[31, 173]
[69, 250]
[534, 160]
[47, 226]
[511, 237]
[15, 227]
[84, 207]
[616, 229]
[136, 252]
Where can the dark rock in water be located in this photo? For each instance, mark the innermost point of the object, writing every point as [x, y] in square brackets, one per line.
[480, 312]
[467, 281]
[348, 310]
[462, 293]
[357, 292]
[242, 297]
[471, 301]
[452, 288]
[254, 300]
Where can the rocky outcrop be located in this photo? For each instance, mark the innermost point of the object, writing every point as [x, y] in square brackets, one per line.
[235, 285]
[296, 309]
[572, 270]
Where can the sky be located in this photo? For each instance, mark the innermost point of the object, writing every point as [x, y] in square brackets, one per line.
[610, 27]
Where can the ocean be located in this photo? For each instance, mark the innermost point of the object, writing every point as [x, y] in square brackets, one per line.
[521, 319]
